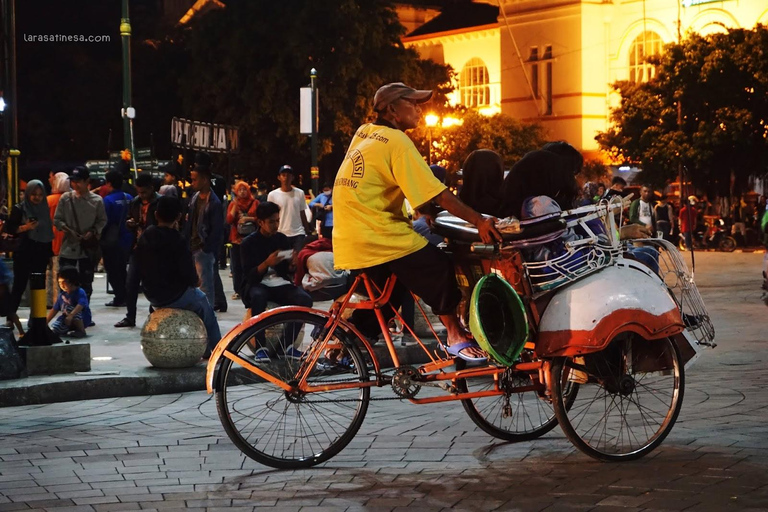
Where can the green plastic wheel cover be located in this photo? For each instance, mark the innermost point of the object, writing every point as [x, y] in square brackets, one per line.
[497, 319]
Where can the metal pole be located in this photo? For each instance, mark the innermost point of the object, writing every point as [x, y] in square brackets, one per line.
[133, 151]
[429, 150]
[125, 36]
[314, 170]
[14, 102]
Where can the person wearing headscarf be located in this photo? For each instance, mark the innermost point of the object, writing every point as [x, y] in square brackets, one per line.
[483, 172]
[241, 216]
[588, 192]
[539, 173]
[59, 184]
[31, 221]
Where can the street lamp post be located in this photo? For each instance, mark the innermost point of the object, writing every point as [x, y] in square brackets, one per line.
[314, 171]
[431, 121]
[125, 36]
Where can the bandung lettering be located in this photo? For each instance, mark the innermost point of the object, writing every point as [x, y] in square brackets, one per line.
[345, 182]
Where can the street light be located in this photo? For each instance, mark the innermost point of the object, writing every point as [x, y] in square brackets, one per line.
[431, 121]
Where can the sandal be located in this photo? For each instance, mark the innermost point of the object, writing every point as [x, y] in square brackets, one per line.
[456, 351]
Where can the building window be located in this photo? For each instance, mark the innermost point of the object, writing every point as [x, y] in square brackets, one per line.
[646, 44]
[534, 60]
[473, 84]
[548, 79]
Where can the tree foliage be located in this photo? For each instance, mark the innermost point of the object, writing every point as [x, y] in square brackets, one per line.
[721, 84]
[451, 145]
[246, 63]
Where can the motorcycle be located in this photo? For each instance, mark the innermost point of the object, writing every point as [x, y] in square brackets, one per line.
[715, 236]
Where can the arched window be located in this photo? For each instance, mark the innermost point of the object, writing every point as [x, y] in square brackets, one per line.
[646, 44]
[473, 84]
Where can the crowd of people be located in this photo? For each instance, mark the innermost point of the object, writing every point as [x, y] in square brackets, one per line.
[168, 241]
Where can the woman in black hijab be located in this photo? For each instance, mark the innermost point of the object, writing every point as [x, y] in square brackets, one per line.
[30, 221]
[540, 173]
[483, 177]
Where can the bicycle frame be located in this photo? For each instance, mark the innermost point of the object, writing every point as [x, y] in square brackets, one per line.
[431, 372]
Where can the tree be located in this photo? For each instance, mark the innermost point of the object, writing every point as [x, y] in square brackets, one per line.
[720, 83]
[246, 63]
[451, 145]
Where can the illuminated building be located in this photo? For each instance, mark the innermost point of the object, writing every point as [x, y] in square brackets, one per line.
[552, 61]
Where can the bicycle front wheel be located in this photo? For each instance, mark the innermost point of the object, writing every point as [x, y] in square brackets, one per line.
[630, 395]
[291, 430]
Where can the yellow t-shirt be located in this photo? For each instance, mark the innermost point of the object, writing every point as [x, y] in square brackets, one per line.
[370, 227]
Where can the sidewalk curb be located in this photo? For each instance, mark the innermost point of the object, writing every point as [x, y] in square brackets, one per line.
[147, 381]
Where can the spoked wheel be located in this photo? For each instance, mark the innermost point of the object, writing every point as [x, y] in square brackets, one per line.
[629, 397]
[290, 429]
[515, 415]
[727, 244]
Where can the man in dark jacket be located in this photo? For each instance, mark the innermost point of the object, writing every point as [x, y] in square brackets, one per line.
[204, 226]
[167, 272]
[266, 255]
[116, 239]
[141, 215]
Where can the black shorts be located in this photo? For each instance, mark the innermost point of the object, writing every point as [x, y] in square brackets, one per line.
[429, 273]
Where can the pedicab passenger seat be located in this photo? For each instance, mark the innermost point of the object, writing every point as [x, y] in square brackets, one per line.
[534, 231]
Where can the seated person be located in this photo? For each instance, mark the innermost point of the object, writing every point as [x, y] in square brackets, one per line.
[73, 305]
[266, 256]
[315, 272]
[543, 182]
[483, 172]
[167, 271]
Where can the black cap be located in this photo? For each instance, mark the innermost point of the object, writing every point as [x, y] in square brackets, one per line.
[79, 173]
[202, 161]
[285, 168]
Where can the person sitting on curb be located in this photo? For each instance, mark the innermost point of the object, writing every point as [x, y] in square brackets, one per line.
[266, 255]
[73, 305]
[167, 271]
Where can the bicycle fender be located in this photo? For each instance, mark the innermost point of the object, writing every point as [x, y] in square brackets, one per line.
[221, 346]
[585, 316]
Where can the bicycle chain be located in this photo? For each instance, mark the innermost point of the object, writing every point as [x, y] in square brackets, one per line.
[335, 381]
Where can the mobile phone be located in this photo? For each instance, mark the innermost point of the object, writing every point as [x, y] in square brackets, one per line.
[33, 219]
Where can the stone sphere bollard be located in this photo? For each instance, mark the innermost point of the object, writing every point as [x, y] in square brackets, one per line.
[173, 338]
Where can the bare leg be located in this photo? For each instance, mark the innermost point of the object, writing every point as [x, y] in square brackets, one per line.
[14, 319]
[456, 334]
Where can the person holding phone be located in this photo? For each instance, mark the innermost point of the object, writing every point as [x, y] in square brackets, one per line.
[266, 258]
[30, 220]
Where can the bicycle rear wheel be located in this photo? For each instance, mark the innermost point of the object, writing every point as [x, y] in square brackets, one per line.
[290, 430]
[630, 395]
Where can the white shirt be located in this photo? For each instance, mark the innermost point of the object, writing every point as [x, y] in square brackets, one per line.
[645, 214]
[291, 205]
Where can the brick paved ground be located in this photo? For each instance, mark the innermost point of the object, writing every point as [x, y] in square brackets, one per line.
[168, 452]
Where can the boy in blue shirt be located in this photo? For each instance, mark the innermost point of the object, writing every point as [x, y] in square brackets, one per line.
[73, 305]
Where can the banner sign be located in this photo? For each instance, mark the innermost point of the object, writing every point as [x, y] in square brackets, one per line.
[211, 137]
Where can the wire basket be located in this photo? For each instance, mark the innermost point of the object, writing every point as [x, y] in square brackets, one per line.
[574, 264]
[674, 272]
[583, 256]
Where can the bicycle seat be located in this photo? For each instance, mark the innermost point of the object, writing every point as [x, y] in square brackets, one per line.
[534, 231]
